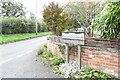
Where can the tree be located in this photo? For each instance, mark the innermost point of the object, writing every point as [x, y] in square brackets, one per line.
[109, 23]
[55, 18]
[82, 13]
[10, 8]
[32, 16]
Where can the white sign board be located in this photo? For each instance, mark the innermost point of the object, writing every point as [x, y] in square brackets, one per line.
[74, 38]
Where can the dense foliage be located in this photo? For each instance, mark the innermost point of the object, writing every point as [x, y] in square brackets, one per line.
[42, 27]
[55, 18]
[12, 25]
[109, 23]
[82, 13]
[10, 8]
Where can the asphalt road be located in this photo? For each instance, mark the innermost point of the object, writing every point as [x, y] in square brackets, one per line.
[18, 60]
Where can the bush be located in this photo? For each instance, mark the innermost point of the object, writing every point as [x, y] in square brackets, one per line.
[109, 23]
[12, 25]
[91, 73]
[46, 54]
[56, 60]
[72, 70]
[42, 27]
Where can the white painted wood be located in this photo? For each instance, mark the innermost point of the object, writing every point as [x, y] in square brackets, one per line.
[74, 38]
[79, 36]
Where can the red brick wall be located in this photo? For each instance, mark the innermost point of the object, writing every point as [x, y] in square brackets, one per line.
[105, 60]
[102, 59]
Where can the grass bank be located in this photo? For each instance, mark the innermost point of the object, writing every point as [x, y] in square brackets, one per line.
[15, 37]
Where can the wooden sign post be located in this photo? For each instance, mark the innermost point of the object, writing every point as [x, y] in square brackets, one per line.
[67, 53]
[79, 55]
[75, 38]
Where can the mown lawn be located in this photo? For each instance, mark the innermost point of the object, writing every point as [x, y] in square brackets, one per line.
[15, 37]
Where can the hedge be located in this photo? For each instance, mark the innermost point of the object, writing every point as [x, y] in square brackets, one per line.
[12, 25]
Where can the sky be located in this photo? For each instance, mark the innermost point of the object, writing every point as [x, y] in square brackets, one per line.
[31, 5]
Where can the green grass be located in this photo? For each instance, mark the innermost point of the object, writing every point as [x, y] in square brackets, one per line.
[15, 37]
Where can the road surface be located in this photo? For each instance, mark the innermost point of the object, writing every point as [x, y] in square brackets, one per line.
[18, 60]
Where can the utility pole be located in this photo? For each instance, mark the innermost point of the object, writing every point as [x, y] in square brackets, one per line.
[36, 19]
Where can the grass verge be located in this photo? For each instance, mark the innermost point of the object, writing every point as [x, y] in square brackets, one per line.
[15, 37]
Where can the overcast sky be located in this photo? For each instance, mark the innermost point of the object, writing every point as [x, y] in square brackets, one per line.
[31, 5]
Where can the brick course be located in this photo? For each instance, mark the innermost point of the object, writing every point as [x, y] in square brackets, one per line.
[101, 59]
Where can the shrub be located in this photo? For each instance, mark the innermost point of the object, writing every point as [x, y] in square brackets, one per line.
[42, 27]
[109, 23]
[12, 25]
[91, 73]
[46, 54]
[56, 60]
[72, 70]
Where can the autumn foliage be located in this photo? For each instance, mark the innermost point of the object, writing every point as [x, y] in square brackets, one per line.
[55, 18]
